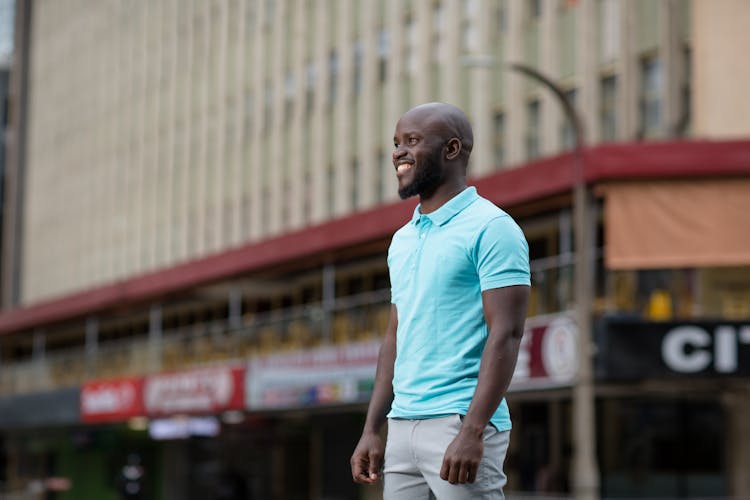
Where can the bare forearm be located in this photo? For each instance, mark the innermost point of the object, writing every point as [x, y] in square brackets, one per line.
[382, 394]
[495, 372]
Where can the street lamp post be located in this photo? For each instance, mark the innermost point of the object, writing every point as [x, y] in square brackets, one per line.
[585, 468]
[585, 472]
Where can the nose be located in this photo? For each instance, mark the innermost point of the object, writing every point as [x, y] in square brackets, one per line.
[398, 152]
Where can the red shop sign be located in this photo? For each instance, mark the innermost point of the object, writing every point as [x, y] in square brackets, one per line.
[204, 391]
[111, 400]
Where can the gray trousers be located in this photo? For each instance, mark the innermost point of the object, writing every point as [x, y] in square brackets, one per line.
[414, 455]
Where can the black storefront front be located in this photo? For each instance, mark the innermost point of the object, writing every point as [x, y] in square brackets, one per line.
[671, 407]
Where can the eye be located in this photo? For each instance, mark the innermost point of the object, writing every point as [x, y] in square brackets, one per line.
[395, 145]
[413, 141]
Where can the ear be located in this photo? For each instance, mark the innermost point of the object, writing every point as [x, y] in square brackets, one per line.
[453, 148]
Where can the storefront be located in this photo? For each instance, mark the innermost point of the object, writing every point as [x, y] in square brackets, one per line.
[38, 433]
[163, 421]
[672, 416]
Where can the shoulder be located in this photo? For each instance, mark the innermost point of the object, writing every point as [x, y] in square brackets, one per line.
[492, 223]
[483, 214]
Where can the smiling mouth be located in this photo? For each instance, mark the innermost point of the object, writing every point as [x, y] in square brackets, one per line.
[403, 168]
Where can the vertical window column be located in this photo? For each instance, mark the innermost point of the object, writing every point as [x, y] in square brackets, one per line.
[369, 126]
[515, 113]
[294, 200]
[278, 166]
[342, 110]
[319, 127]
[256, 159]
[481, 93]
[553, 116]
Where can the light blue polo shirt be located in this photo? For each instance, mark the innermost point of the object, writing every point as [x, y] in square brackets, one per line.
[439, 265]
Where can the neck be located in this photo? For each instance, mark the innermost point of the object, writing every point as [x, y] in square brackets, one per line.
[442, 194]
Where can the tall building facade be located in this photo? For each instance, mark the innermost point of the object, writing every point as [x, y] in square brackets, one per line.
[203, 199]
[165, 131]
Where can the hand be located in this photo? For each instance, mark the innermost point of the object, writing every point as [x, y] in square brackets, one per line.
[461, 459]
[367, 459]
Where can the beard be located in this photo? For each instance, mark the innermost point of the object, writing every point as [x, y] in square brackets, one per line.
[427, 177]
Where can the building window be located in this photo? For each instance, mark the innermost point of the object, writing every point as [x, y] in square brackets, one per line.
[289, 91]
[311, 78]
[333, 77]
[651, 85]
[357, 80]
[411, 47]
[7, 16]
[270, 12]
[535, 9]
[268, 108]
[499, 126]
[438, 36]
[501, 17]
[568, 133]
[470, 29]
[249, 117]
[608, 108]
[609, 27]
[307, 205]
[379, 176]
[265, 210]
[355, 183]
[383, 52]
[533, 114]
[331, 189]
[683, 123]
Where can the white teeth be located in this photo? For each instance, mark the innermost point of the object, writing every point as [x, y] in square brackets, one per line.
[403, 168]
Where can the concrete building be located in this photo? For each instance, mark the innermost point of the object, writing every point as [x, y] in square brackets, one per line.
[204, 190]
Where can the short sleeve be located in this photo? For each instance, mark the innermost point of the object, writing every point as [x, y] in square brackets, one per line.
[501, 254]
[390, 276]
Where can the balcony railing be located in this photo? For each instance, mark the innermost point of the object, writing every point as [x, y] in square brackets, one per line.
[360, 317]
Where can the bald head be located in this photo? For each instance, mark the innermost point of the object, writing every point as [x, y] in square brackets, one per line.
[446, 120]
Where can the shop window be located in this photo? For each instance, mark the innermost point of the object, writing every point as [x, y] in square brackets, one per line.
[669, 294]
[539, 458]
[725, 292]
[661, 448]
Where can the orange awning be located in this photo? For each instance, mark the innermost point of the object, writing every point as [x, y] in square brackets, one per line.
[677, 223]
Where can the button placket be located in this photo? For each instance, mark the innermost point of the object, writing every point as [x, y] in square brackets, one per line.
[423, 228]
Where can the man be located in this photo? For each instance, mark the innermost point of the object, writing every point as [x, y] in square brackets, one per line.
[459, 290]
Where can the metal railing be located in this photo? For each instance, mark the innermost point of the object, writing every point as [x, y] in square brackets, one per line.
[359, 317]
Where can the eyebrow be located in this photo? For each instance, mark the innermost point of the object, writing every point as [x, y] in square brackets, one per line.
[412, 132]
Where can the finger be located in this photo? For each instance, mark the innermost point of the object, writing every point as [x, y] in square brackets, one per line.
[358, 469]
[463, 473]
[453, 473]
[362, 478]
[376, 464]
[444, 470]
[473, 474]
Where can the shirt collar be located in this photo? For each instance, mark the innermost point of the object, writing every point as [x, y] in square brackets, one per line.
[449, 209]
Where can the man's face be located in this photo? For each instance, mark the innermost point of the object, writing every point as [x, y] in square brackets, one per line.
[417, 157]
